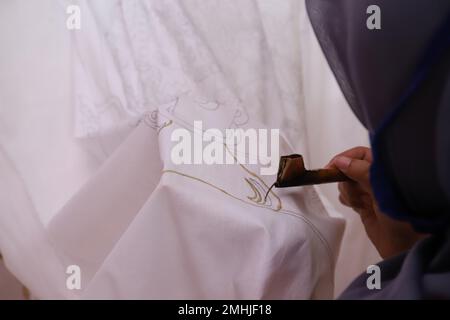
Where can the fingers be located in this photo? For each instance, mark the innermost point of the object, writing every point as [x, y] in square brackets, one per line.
[355, 164]
[355, 169]
[351, 195]
[360, 153]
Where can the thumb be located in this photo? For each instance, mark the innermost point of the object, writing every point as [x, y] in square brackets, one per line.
[355, 169]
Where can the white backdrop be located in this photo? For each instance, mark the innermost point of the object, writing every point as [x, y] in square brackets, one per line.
[37, 127]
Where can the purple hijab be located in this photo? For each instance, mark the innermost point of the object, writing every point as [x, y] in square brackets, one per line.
[397, 81]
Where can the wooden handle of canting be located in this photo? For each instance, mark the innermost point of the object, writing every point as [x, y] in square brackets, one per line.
[311, 177]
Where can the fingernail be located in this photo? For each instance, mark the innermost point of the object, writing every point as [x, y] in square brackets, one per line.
[342, 162]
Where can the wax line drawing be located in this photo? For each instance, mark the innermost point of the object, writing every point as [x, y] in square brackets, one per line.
[264, 206]
[251, 202]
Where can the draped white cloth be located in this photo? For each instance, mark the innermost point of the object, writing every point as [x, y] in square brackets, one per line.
[106, 196]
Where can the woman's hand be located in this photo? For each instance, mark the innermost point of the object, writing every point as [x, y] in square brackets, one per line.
[389, 236]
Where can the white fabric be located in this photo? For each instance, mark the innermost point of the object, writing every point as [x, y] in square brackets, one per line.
[138, 233]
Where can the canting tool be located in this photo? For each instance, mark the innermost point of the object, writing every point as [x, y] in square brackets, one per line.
[292, 173]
